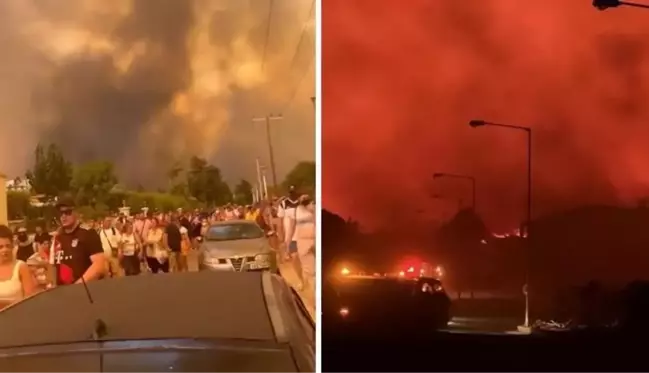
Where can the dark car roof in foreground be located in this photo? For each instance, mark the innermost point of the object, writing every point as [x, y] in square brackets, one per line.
[206, 304]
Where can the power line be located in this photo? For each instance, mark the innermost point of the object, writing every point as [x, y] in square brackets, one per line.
[294, 59]
[297, 86]
[302, 34]
[270, 18]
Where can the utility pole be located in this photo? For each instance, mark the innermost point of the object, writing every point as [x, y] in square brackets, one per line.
[271, 154]
[259, 176]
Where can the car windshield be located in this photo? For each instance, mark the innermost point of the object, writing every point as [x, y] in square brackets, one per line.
[129, 356]
[234, 231]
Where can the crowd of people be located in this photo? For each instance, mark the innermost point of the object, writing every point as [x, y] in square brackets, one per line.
[156, 242]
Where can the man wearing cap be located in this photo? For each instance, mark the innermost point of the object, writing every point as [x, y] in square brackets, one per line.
[77, 253]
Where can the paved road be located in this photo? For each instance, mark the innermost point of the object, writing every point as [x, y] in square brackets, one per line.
[483, 325]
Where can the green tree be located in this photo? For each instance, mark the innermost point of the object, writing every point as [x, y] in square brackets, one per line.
[243, 193]
[93, 182]
[52, 173]
[205, 183]
[302, 176]
[175, 184]
[17, 205]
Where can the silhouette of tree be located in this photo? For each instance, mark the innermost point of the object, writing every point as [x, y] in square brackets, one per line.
[51, 174]
[462, 249]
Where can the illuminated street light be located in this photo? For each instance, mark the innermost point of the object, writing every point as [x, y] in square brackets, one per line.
[605, 4]
[481, 123]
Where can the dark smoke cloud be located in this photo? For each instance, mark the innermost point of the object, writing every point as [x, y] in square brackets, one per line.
[146, 83]
[402, 79]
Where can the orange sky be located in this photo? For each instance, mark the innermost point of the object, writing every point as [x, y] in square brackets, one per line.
[146, 84]
[402, 78]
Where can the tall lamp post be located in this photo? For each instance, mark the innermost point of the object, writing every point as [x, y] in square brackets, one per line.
[605, 4]
[481, 123]
[438, 175]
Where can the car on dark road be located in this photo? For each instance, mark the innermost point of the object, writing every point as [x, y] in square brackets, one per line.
[192, 321]
[396, 305]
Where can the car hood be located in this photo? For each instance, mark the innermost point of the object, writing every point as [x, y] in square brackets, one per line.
[226, 249]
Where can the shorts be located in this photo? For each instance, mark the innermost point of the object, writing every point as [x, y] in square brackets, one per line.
[292, 247]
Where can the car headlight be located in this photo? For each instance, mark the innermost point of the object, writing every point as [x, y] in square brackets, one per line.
[208, 258]
[262, 258]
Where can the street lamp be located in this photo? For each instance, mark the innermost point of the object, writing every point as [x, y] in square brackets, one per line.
[481, 123]
[605, 4]
[438, 175]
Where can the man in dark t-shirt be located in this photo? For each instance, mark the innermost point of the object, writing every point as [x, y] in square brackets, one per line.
[172, 240]
[77, 254]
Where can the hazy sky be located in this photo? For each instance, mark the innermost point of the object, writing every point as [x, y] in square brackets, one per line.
[147, 82]
[402, 79]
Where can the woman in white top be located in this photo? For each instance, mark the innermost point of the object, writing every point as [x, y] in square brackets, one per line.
[129, 250]
[157, 257]
[305, 239]
[16, 279]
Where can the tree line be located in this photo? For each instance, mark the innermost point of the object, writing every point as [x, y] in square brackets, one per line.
[97, 189]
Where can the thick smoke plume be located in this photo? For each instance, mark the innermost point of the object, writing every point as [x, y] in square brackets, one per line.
[403, 78]
[146, 83]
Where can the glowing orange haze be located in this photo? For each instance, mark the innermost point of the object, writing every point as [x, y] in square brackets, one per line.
[402, 78]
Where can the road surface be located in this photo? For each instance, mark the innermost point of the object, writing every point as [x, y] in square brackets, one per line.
[487, 314]
[483, 325]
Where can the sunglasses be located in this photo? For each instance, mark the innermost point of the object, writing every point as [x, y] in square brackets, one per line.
[65, 212]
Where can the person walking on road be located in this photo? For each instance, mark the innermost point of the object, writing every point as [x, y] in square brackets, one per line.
[157, 256]
[110, 239]
[276, 236]
[39, 263]
[305, 237]
[172, 240]
[185, 249]
[130, 250]
[25, 245]
[286, 211]
[16, 279]
[76, 253]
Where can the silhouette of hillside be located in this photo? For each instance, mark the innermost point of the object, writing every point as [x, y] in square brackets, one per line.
[605, 243]
[338, 236]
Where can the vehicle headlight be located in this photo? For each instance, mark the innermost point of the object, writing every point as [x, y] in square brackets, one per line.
[208, 258]
[262, 258]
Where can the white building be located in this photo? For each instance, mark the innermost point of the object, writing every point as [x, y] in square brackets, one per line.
[18, 185]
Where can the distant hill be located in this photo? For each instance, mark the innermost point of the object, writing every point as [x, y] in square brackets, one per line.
[594, 242]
